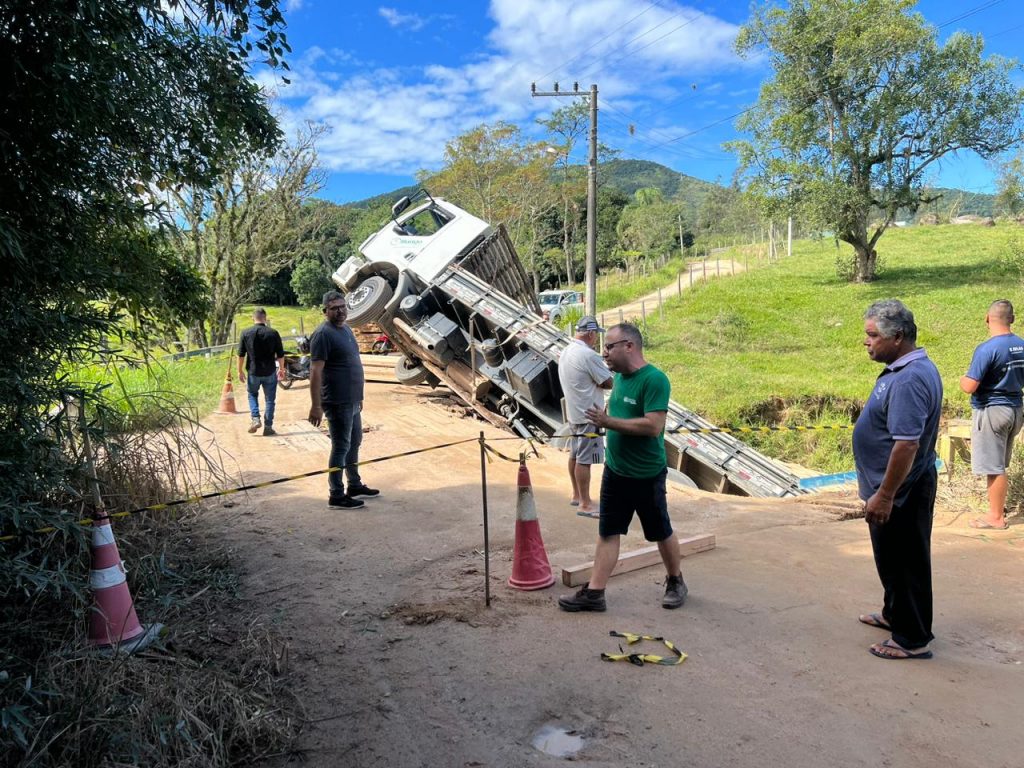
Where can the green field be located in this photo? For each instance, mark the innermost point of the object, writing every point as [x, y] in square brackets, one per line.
[782, 344]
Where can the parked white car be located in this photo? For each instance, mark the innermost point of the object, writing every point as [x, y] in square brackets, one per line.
[554, 305]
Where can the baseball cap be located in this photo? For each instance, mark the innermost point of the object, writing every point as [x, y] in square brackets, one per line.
[588, 323]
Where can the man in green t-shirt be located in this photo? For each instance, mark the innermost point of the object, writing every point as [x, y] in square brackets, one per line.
[635, 469]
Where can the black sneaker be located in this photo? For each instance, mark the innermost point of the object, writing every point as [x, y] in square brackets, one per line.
[253, 426]
[269, 432]
[362, 490]
[675, 592]
[585, 600]
[344, 502]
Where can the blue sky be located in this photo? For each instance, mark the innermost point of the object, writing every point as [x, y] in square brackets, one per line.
[393, 82]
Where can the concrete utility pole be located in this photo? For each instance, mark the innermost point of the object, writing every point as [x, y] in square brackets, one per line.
[590, 280]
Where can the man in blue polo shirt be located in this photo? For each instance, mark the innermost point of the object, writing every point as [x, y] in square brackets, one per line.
[894, 450]
[994, 381]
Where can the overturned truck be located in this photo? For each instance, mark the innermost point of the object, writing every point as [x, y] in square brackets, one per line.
[452, 294]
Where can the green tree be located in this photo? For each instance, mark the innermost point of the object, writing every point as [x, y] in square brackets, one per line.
[862, 102]
[248, 226]
[567, 126]
[1010, 186]
[310, 281]
[649, 225]
[104, 103]
[491, 172]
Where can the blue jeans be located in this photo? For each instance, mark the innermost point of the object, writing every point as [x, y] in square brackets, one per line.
[269, 384]
[345, 423]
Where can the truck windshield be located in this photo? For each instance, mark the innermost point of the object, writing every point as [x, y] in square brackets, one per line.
[423, 224]
[548, 299]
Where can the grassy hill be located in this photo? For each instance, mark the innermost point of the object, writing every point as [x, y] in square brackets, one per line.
[783, 344]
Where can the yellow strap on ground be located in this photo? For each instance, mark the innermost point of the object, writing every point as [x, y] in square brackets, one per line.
[644, 658]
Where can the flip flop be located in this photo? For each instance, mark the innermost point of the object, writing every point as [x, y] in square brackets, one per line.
[574, 503]
[889, 649]
[983, 524]
[593, 515]
[874, 620]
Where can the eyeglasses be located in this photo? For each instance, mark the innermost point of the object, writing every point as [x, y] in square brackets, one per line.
[607, 347]
[338, 308]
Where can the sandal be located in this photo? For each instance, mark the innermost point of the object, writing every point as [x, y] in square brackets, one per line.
[890, 649]
[982, 524]
[874, 620]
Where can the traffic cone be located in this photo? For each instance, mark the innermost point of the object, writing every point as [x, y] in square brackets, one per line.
[530, 566]
[112, 620]
[227, 395]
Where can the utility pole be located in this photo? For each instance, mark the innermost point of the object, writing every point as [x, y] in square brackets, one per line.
[590, 284]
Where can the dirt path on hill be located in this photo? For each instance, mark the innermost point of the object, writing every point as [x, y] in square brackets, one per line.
[400, 664]
[697, 272]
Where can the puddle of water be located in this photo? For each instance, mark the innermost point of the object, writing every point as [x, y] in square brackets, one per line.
[557, 741]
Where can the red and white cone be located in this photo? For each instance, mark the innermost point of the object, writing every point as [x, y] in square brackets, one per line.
[530, 566]
[227, 398]
[112, 620]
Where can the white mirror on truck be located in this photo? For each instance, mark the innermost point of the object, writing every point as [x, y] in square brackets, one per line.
[398, 207]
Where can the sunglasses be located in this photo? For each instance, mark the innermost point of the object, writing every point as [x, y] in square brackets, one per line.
[609, 346]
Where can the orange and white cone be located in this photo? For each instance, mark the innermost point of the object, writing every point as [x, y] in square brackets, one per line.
[227, 397]
[530, 566]
[112, 620]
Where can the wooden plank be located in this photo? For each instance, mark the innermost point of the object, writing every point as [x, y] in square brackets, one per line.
[575, 575]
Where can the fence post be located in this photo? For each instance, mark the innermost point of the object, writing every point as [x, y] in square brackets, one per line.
[643, 312]
[620, 315]
[679, 283]
[661, 306]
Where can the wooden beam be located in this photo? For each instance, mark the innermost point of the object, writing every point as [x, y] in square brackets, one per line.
[575, 575]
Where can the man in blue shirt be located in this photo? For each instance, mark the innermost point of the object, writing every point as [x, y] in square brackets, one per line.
[994, 381]
[894, 449]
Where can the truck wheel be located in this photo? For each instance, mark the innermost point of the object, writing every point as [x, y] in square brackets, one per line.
[367, 301]
[408, 373]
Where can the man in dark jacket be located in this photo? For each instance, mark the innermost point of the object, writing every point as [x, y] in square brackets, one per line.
[260, 350]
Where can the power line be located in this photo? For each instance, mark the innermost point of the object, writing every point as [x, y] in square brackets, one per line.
[628, 54]
[971, 12]
[594, 45]
[962, 16]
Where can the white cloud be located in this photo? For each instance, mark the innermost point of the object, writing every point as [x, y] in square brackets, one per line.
[397, 19]
[390, 120]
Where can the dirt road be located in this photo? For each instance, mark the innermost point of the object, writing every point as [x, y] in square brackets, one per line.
[645, 306]
[400, 664]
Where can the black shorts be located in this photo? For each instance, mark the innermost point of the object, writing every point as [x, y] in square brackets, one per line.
[622, 496]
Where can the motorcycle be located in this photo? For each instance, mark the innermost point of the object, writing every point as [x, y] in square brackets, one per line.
[296, 367]
[382, 345]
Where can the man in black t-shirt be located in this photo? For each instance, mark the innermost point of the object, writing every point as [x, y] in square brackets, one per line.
[336, 392]
[260, 350]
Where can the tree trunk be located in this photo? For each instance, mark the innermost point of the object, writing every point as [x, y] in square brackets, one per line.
[866, 260]
[567, 245]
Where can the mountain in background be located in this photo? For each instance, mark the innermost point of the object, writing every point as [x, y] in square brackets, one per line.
[627, 176]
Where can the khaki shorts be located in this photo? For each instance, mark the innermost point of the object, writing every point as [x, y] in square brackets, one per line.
[586, 450]
[992, 432]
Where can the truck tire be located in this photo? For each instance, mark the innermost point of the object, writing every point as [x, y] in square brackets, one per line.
[367, 301]
[408, 373]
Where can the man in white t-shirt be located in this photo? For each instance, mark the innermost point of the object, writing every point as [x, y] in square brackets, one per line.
[583, 375]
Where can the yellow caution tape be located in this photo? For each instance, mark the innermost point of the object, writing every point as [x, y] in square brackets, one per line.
[644, 658]
[230, 491]
[727, 430]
